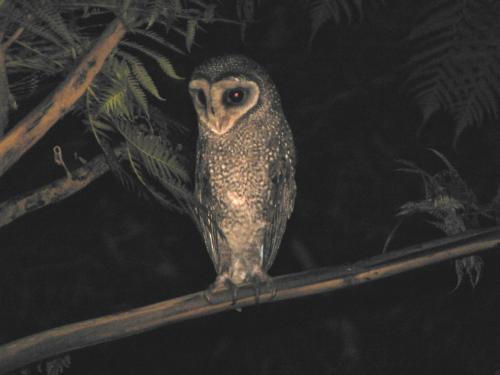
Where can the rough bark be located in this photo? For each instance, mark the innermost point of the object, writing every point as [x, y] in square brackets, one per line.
[56, 191]
[34, 125]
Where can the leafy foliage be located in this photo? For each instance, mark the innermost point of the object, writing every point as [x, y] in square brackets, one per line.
[54, 35]
[119, 108]
[118, 104]
[46, 45]
[245, 12]
[447, 198]
[453, 209]
[55, 366]
[455, 64]
[322, 11]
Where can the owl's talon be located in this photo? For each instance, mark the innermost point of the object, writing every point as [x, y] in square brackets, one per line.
[234, 292]
[274, 291]
[221, 283]
[257, 292]
[206, 295]
[261, 278]
[210, 291]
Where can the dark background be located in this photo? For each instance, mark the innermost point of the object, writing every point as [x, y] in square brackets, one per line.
[105, 250]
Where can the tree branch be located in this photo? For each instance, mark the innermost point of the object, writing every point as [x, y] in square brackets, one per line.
[34, 125]
[111, 327]
[56, 191]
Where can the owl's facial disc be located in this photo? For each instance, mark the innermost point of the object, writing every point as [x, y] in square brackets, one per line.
[222, 104]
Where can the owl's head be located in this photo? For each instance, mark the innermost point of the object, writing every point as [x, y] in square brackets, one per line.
[229, 88]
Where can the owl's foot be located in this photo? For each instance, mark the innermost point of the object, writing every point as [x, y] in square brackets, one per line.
[222, 282]
[259, 279]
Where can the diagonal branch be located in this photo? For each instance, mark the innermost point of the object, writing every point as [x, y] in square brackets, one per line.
[56, 191]
[111, 327]
[36, 123]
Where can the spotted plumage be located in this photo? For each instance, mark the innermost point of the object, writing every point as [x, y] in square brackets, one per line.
[244, 169]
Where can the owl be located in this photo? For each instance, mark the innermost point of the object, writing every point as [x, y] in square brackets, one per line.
[245, 167]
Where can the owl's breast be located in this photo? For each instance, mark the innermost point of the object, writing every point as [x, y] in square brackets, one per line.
[239, 187]
[239, 182]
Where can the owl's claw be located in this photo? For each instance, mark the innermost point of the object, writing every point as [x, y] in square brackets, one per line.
[259, 279]
[222, 282]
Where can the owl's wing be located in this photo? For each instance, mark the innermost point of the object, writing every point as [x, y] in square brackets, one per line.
[205, 220]
[280, 205]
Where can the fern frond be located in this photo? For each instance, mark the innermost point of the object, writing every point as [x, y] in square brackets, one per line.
[157, 167]
[448, 199]
[154, 9]
[160, 40]
[100, 129]
[168, 68]
[456, 66]
[141, 175]
[165, 124]
[245, 10]
[443, 158]
[45, 58]
[138, 94]
[25, 86]
[46, 11]
[141, 74]
[190, 33]
[322, 11]
[156, 155]
[42, 23]
[114, 100]
[89, 11]
[103, 128]
[165, 65]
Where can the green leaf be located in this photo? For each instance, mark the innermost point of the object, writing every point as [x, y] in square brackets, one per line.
[138, 95]
[451, 70]
[157, 156]
[141, 74]
[157, 38]
[190, 33]
[162, 61]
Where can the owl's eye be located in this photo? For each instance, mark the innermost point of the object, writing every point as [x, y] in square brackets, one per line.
[200, 95]
[234, 96]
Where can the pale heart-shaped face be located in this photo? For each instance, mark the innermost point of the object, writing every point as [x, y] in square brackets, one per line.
[221, 104]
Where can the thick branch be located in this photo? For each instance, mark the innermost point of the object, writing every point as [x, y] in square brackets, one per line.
[56, 191]
[34, 125]
[91, 332]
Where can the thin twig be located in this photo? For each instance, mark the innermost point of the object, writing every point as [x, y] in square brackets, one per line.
[56, 191]
[36, 123]
[111, 327]
[12, 38]
[4, 94]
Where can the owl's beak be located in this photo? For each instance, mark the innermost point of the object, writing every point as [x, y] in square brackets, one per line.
[218, 125]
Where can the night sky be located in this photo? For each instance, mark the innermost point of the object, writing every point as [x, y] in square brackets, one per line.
[106, 250]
